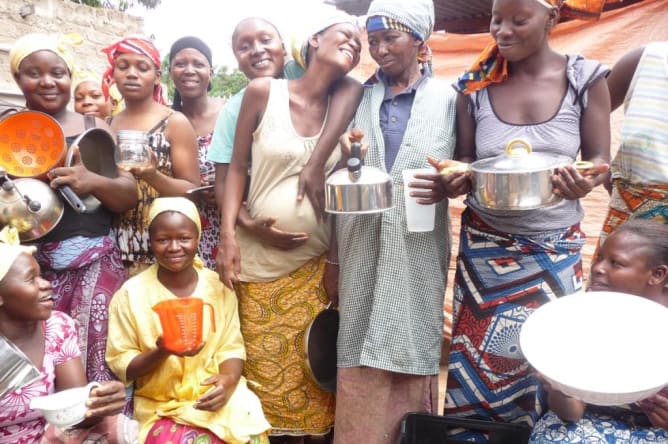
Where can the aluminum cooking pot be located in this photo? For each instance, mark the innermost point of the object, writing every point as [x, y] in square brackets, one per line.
[29, 205]
[358, 188]
[519, 179]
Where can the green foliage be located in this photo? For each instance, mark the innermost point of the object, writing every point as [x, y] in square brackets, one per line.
[121, 5]
[225, 82]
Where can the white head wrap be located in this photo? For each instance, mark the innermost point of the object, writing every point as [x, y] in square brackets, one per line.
[10, 248]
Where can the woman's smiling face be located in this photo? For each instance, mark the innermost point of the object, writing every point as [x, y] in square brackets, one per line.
[24, 294]
[44, 80]
[174, 239]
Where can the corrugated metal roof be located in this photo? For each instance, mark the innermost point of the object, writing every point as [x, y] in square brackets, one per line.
[458, 16]
[447, 11]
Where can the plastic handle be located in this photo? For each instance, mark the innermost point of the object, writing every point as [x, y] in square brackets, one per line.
[213, 318]
[72, 199]
[356, 150]
[354, 164]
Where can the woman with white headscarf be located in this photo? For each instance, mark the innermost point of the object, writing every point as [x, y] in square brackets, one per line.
[392, 281]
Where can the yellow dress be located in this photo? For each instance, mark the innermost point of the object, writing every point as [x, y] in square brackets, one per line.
[171, 389]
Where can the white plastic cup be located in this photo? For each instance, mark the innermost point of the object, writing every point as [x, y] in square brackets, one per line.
[418, 217]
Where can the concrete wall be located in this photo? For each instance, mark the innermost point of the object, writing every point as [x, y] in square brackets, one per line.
[99, 27]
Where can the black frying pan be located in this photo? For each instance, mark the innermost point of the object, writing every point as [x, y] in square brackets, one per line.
[96, 149]
[320, 348]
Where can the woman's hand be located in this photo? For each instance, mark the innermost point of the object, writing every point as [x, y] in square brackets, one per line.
[656, 409]
[106, 400]
[228, 260]
[264, 229]
[570, 184]
[208, 196]
[77, 176]
[312, 183]
[147, 171]
[346, 141]
[432, 188]
[455, 182]
[216, 398]
[331, 281]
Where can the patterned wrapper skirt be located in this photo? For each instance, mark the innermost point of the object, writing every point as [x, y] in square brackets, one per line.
[167, 431]
[500, 280]
[629, 201]
[274, 318]
[598, 426]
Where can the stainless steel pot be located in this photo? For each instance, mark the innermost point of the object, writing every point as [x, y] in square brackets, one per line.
[519, 179]
[358, 188]
[30, 206]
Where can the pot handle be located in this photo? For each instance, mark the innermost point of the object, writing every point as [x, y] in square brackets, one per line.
[72, 199]
[354, 163]
[518, 147]
[583, 165]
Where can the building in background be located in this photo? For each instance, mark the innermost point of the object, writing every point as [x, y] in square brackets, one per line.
[99, 27]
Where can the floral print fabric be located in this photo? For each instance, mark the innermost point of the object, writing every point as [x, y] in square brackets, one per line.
[18, 423]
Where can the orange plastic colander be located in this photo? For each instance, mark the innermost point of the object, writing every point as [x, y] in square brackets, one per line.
[31, 144]
[181, 321]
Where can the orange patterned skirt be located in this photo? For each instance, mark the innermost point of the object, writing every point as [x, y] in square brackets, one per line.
[274, 318]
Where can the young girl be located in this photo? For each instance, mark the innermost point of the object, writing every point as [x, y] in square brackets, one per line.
[634, 260]
[198, 394]
[135, 69]
[49, 339]
[89, 97]
[78, 256]
[190, 68]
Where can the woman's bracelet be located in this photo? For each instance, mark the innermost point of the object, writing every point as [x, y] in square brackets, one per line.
[330, 262]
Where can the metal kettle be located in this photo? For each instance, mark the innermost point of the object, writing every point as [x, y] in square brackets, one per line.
[29, 205]
[358, 189]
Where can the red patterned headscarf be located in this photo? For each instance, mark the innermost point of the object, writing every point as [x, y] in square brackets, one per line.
[490, 66]
[133, 45]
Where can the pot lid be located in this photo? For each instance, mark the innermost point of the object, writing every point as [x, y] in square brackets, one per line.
[356, 173]
[519, 158]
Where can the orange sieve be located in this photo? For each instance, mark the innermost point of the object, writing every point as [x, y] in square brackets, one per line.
[31, 144]
[181, 322]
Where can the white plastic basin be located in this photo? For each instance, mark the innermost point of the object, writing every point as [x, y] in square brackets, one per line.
[604, 348]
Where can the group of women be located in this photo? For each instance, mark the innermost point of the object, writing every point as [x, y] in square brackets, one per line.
[264, 150]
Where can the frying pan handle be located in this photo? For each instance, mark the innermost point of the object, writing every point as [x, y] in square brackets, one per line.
[72, 199]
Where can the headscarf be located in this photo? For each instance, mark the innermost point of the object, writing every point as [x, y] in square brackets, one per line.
[10, 248]
[133, 45]
[113, 92]
[81, 75]
[177, 204]
[491, 67]
[299, 45]
[183, 43]
[31, 43]
[415, 17]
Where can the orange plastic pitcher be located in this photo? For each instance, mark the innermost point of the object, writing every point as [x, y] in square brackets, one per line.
[181, 321]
